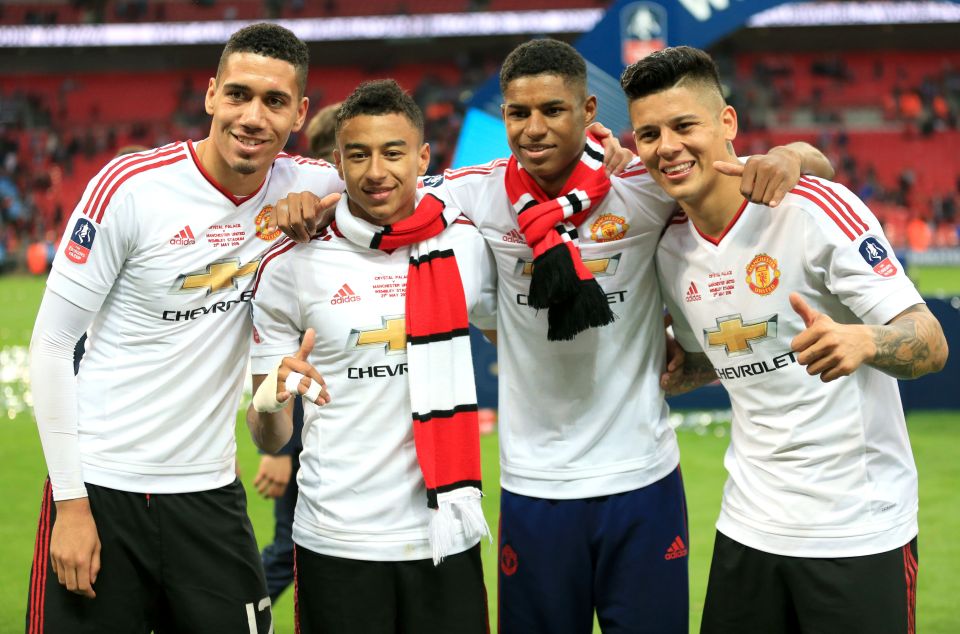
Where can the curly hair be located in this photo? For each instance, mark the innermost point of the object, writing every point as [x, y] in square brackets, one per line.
[544, 57]
[269, 40]
[670, 67]
[378, 97]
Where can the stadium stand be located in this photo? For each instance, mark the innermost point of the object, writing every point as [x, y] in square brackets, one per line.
[887, 118]
[36, 12]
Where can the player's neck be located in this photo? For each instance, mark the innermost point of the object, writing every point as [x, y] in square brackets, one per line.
[240, 185]
[713, 213]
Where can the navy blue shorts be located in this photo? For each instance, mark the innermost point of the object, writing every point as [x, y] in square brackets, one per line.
[623, 555]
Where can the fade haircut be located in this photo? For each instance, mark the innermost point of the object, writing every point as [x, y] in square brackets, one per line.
[669, 68]
[380, 97]
[269, 40]
[545, 57]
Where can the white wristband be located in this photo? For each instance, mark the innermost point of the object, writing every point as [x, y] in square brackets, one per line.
[265, 400]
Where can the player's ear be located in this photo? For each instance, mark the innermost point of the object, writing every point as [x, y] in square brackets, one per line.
[423, 160]
[728, 120]
[338, 161]
[302, 108]
[211, 93]
[590, 109]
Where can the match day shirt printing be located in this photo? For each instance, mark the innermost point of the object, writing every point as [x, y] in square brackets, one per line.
[586, 417]
[362, 492]
[815, 469]
[167, 258]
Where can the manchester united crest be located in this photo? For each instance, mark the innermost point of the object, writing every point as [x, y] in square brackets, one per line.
[608, 228]
[263, 229]
[763, 276]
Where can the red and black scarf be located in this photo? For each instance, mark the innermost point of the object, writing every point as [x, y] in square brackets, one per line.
[561, 282]
[442, 389]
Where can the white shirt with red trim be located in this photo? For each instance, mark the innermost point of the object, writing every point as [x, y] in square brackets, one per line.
[167, 258]
[579, 418]
[362, 494]
[815, 469]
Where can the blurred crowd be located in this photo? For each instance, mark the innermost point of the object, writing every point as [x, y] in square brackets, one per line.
[890, 130]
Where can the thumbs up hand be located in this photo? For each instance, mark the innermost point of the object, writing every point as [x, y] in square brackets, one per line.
[826, 348]
[297, 376]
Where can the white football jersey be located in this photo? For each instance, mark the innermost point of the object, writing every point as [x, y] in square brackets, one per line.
[815, 469]
[167, 258]
[362, 494]
[586, 417]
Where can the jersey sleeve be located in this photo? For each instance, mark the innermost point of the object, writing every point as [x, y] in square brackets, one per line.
[845, 246]
[324, 179]
[483, 312]
[99, 237]
[276, 313]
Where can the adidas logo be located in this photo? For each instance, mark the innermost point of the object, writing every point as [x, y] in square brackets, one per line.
[514, 236]
[677, 549]
[185, 237]
[693, 295]
[344, 296]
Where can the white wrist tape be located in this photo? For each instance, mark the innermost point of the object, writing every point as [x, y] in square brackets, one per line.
[265, 400]
[293, 384]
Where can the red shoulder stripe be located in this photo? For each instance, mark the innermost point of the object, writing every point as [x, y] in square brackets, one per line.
[636, 172]
[475, 170]
[127, 161]
[838, 199]
[799, 191]
[281, 247]
[101, 209]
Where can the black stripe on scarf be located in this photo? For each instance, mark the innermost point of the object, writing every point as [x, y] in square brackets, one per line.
[433, 255]
[596, 156]
[444, 413]
[438, 336]
[574, 202]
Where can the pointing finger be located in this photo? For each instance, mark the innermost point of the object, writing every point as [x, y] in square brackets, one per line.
[306, 345]
[729, 169]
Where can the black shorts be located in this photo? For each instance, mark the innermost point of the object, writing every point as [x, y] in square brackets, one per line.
[753, 591]
[185, 562]
[349, 596]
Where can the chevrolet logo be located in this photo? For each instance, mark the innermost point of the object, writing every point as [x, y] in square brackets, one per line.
[392, 335]
[736, 336]
[215, 277]
[598, 266]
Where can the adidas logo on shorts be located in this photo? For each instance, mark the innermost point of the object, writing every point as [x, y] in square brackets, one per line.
[677, 549]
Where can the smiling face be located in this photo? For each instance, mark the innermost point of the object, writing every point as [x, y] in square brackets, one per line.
[255, 103]
[680, 132]
[546, 118]
[379, 157]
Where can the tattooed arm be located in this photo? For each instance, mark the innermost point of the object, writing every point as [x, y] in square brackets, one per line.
[908, 346]
[695, 371]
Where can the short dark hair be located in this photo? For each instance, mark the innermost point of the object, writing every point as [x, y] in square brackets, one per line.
[668, 68]
[269, 40]
[544, 57]
[379, 97]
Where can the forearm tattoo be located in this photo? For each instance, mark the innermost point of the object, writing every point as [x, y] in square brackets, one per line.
[697, 371]
[911, 345]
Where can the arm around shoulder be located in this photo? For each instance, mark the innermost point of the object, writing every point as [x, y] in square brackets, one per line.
[812, 160]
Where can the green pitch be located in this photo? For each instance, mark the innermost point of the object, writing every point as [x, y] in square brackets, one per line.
[935, 437]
